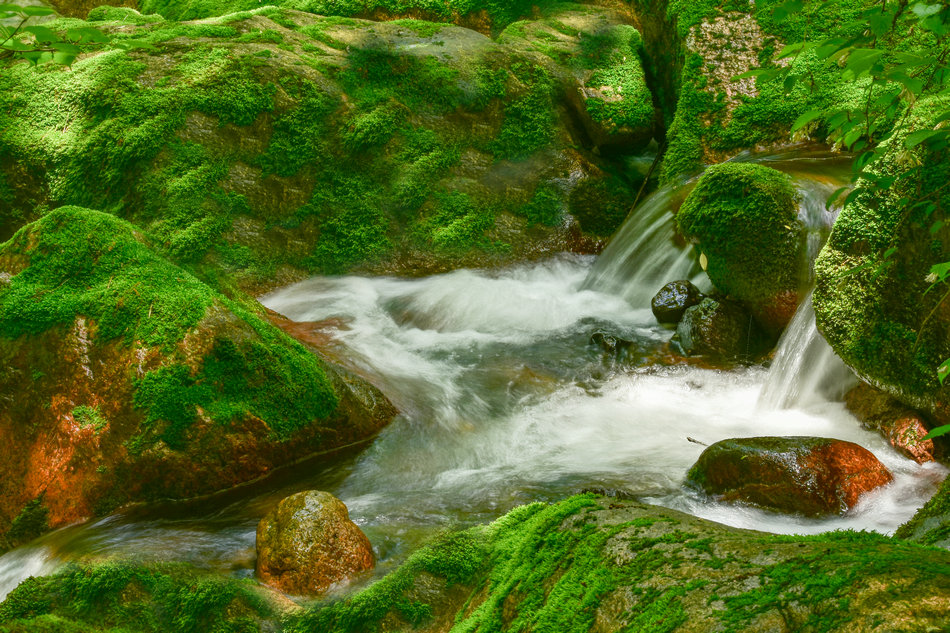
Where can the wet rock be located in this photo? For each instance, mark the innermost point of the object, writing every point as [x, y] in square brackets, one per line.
[308, 543]
[903, 427]
[673, 299]
[814, 476]
[610, 343]
[931, 524]
[720, 329]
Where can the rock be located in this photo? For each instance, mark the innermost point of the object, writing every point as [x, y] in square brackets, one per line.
[744, 219]
[903, 427]
[673, 299]
[720, 329]
[889, 322]
[606, 565]
[308, 543]
[931, 524]
[132, 380]
[461, 154]
[814, 476]
[610, 343]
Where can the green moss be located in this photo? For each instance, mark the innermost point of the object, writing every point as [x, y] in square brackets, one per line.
[126, 597]
[743, 216]
[125, 15]
[529, 119]
[421, 27]
[90, 417]
[82, 262]
[600, 206]
[545, 207]
[615, 56]
[31, 522]
[456, 225]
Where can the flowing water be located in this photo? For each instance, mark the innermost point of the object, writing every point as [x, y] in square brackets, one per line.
[505, 401]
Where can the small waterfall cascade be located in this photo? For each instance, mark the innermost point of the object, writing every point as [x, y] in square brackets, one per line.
[806, 371]
[643, 254]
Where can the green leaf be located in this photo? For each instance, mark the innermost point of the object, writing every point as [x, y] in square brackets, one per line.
[42, 34]
[805, 119]
[916, 138]
[940, 430]
[941, 270]
[36, 12]
[924, 10]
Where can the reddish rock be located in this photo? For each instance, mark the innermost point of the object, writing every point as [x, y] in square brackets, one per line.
[814, 476]
[308, 542]
[903, 427]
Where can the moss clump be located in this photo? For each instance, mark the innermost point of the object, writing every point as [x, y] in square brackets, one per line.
[90, 417]
[31, 522]
[744, 218]
[600, 207]
[931, 524]
[129, 597]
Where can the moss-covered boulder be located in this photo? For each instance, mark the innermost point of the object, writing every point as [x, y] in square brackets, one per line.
[743, 217]
[123, 596]
[597, 564]
[902, 426]
[876, 300]
[307, 543]
[814, 476]
[271, 144]
[124, 377]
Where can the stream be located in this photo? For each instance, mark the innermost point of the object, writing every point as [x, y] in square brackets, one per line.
[504, 401]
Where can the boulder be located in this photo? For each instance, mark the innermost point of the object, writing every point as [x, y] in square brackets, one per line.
[308, 543]
[743, 217]
[814, 476]
[673, 299]
[903, 427]
[877, 299]
[720, 329]
[125, 378]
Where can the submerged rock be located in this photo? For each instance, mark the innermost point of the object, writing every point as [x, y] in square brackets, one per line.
[744, 219]
[903, 427]
[673, 299]
[721, 330]
[308, 543]
[814, 476]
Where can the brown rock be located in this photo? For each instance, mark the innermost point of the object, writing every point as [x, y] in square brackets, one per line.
[814, 476]
[308, 543]
[903, 427]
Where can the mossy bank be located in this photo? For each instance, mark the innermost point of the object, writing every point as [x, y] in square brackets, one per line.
[584, 564]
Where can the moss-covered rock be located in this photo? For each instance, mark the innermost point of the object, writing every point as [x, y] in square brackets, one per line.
[122, 596]
[721, 330]
[595, 564]
[718, 115]
[272, 144]
[126, 378]
[875, 300]
[743, 217]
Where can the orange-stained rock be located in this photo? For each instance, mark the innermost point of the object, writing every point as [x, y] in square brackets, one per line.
[308, 543]
[903, 427]
[813, 476]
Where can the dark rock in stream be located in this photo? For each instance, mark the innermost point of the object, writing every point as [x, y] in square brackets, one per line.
[814, 476]
[308, 543]
[673, 299]
[720, 329]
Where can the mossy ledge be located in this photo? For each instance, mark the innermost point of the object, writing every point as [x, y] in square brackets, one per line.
[137, 381]
[584, 564]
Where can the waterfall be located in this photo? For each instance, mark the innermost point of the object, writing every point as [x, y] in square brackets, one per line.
[806, 370]
[643, 254]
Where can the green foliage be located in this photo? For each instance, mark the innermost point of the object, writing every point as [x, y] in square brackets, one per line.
[744, 218]
[456, 224]
[127, 597]
[529, 119]
[615, 56]
[32, 521]
[90, 417]
[546, 206]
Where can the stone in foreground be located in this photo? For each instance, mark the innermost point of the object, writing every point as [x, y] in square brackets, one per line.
[308, 543]
[673, 299]
[814, 476]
